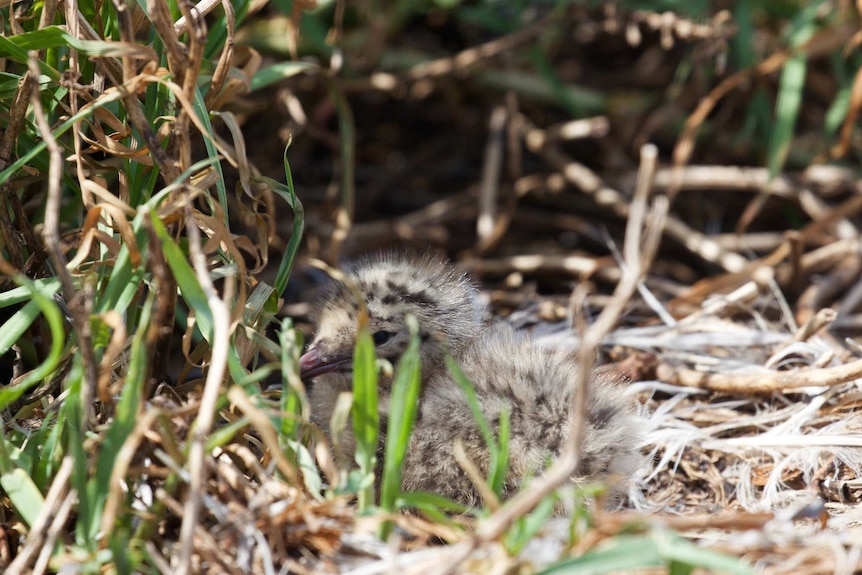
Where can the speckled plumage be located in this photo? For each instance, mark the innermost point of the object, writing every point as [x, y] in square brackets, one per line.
[507, 370]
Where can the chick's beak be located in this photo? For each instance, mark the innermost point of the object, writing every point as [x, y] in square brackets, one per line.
[311, 364]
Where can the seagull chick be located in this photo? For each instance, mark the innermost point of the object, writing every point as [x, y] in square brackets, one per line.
[508, 371]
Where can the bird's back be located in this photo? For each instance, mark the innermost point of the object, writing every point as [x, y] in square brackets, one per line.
[533, 384]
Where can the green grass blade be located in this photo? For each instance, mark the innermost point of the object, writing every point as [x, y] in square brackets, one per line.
[54, 318]
[126, 415]
[23, 493]
[843, 70]
[677, 550]
[288, 194]
[16, 325]
[122, 285]
[500, 463]
[790, 89]
[13, 51]
[191, 290]
[366, 419]
[786, 112]
[212, 151]
[293, 403]
[430, 503]
[403, 407]
[498, 454]
[269, 75]
[624, 553]
[46, 286]
[526, 527]
[472, 400]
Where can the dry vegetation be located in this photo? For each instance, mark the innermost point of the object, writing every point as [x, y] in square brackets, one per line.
[672, 192]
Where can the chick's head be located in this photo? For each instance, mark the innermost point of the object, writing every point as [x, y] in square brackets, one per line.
[444, 303]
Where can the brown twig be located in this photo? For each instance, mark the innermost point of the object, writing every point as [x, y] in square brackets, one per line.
[760, 383]
[613, 523]
[820, 320]
[179, 145]
[578, 266]
[465, 59]
[822, 293]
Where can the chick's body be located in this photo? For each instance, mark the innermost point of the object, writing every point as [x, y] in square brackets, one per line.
[533, 385]
[508, 371]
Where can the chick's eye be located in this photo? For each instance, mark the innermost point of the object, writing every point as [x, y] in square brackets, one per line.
[381, 337]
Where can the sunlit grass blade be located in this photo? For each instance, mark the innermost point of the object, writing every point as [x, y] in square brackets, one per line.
[677, 550]
[9, 49]
[403, 407]
[626, 553]
[497, 447]
[23, 493]
[279, 71]
[790, 88]
[15, 326]
[288, 194]
[51, 312]
[293, 403]
[432, 505]
[622, 554]
[366, 419]
[525, 528]
[46, 286]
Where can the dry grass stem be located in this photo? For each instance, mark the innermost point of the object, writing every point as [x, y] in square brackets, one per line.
[760, 383]
[50, 509]
[263, 425]
[489, 498]
[79, 302]
[121, 467]
[55, 531]
[464, 60]
[215, 377]
[492, 169]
